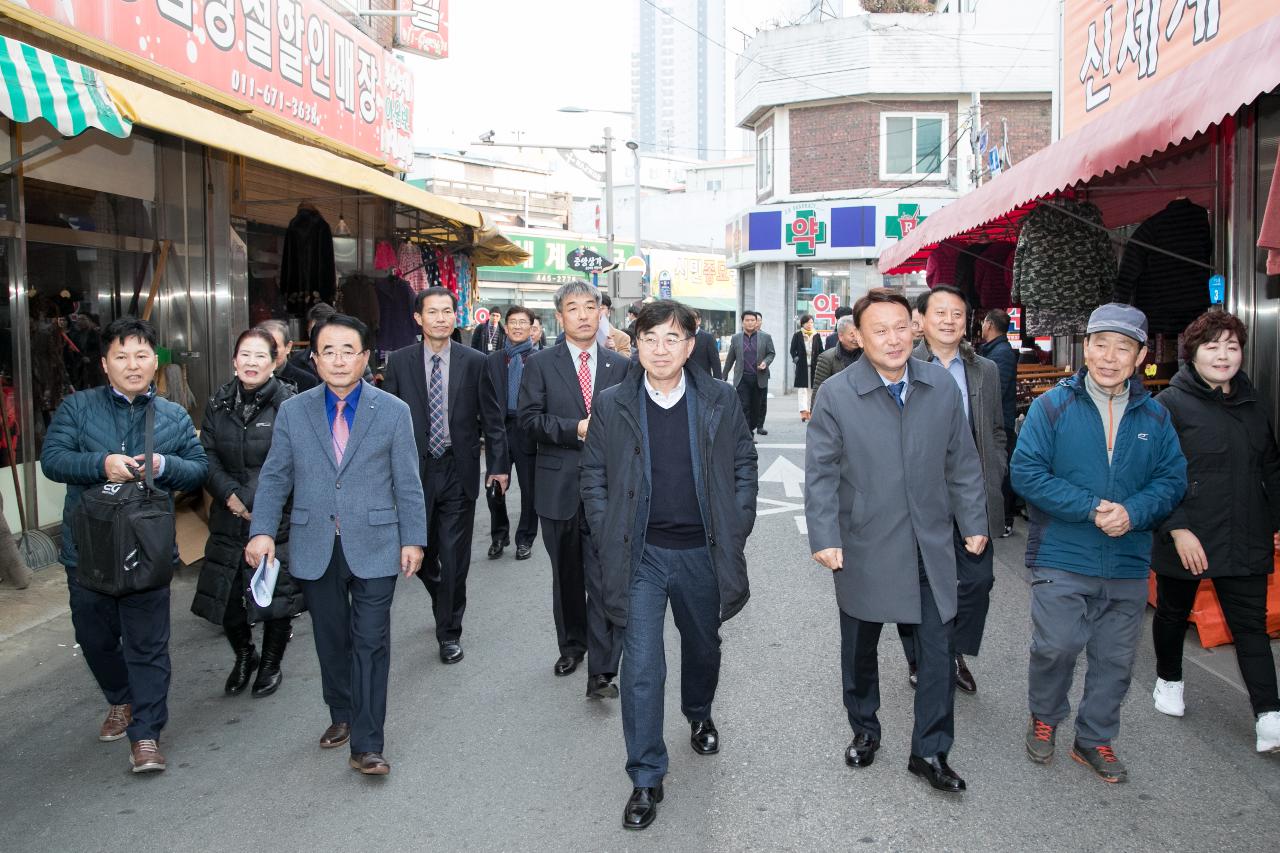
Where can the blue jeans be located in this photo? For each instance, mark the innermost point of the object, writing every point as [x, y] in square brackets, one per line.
[687, 579]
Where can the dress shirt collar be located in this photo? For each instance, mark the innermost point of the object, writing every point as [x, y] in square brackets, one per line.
[665, 401]
[444, 354]
[575, 353]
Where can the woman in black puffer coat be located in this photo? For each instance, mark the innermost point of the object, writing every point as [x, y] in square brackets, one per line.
[1223, 530]
[236, 434]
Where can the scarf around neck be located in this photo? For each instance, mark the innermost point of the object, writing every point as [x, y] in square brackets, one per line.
[516, 354]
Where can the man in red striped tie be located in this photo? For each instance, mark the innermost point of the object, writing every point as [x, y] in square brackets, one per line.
[554, 407]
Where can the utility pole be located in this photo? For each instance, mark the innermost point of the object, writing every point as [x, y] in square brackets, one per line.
[975, 133]
[608, 207]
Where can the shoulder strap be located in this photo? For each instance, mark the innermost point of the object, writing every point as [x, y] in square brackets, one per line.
[148, 444]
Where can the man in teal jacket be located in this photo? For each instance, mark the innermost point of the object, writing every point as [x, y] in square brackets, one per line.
[1099, 465]
[97, 436]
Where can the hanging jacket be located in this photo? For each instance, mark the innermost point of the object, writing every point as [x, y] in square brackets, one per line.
[1171, 291]
[1064, 261]
[306, 266]
[1232, 503]
[384, 255]
[993, 277]
[357, 297]
[236, 435]
[410, 267]
[395, 313]
[940, 267]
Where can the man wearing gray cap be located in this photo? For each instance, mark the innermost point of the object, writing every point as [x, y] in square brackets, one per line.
[1099, 465]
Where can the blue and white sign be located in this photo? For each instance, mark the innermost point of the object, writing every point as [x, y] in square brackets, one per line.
[993, 161]
[1217, 289]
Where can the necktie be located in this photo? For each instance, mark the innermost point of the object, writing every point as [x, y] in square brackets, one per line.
[896, 390]
[584, 379]
[435, 403]
[341, 432]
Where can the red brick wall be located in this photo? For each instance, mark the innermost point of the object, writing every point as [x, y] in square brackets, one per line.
[837, 147]
[1030, 125]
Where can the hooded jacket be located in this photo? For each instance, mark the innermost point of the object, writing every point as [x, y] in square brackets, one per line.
[1060, 468]
[1232, 503]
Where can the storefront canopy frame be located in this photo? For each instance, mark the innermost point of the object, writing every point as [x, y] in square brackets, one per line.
[168, 114]
[1172, 110]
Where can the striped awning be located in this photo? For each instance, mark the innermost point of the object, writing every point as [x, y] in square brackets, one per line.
[71, 97]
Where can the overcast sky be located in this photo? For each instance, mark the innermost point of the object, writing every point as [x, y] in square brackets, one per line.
[513, 63]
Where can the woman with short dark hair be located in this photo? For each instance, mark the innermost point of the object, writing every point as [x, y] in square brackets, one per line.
[801, 344]
[1224, 528]
[236, 434]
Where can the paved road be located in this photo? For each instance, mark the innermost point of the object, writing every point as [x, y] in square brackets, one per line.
[497, 754]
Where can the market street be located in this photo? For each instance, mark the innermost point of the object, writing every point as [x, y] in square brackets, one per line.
[497, 754]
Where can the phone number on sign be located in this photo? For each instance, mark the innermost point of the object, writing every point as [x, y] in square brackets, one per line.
[275, 98]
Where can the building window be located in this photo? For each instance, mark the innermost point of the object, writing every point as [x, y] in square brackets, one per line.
[764, 160]
[911, 146]
[713, 186]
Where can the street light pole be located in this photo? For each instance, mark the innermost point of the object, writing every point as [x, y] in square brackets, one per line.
[608, 207]
[635, 155]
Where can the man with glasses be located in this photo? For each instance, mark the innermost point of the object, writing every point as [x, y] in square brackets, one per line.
[502, 373]
[440, 379]
[669, 488]
[344, 451]
[555, 402]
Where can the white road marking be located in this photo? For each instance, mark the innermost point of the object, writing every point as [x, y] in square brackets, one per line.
[786, 472]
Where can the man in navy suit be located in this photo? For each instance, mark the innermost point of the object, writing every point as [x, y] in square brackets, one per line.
[440, 380]
[345, 451]
[555, 399]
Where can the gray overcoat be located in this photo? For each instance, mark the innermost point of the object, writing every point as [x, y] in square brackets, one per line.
[733, 363]
[986, 417]
[900, 479]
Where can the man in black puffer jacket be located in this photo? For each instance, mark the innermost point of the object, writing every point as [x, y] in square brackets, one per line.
[96, 437]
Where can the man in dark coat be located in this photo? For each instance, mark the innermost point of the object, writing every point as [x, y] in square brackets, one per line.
[835, 359]
[300, 379]
[503, 371]
[889, 439]
[440, 379]
[750, 354]
[705, 355]
[684, 542]
[995, 346]
[554, 407]
[490, 336]
[97, 437]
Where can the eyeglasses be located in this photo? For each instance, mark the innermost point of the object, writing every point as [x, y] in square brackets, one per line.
[336, 356]
[669, 341]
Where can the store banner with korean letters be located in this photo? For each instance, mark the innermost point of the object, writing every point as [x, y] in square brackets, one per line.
[691, 276]
[425, 31]
[1115, 49]
[299, 60]
[824, 230]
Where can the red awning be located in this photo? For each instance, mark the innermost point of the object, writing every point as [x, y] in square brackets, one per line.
[1172, 110]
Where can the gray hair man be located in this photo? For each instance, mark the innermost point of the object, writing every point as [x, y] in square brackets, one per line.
[837, 358]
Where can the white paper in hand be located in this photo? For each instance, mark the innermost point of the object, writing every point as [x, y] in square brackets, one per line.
[263, 583]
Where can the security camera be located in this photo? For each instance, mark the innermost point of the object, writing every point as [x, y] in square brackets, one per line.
[487, 138]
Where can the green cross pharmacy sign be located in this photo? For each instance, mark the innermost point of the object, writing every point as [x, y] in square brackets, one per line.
[907, 220]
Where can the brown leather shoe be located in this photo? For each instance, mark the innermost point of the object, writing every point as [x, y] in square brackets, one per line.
[369, 763]
[145, 756]
[336, 735]
[118, 719]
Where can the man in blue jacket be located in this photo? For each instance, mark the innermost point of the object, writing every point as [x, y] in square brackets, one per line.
[97, 437]
[1099, 464]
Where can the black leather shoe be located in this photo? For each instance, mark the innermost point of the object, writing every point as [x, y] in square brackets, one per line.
[450, 651]
[566, 664]
[241, 670]
[964, 678]
[762, 431]
[1008, 531]
[911, 675]
[524, 552]
[601, 687]
[861, 751]
[495, 549]
[703, 736]
[642, 807]
[935, 771]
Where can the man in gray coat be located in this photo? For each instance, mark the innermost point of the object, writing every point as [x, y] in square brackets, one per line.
[890, 440]
[944, 313]
[346, 452]
[750, 354]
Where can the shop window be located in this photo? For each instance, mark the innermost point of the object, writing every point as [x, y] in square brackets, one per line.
[87, 210]
[911, 146]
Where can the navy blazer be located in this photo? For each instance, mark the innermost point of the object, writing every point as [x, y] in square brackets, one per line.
[375, 494]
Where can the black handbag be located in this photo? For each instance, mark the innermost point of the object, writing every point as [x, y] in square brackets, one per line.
[125, 533]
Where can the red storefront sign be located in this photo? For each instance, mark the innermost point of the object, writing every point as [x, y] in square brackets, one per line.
[296, 59]
[426, 31]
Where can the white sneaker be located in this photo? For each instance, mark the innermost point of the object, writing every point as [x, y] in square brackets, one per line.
[1268, 729]
[1168, 696]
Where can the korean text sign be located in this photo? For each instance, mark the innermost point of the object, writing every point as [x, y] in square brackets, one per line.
[296, 59]
[425, 31]
[1113, 49]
